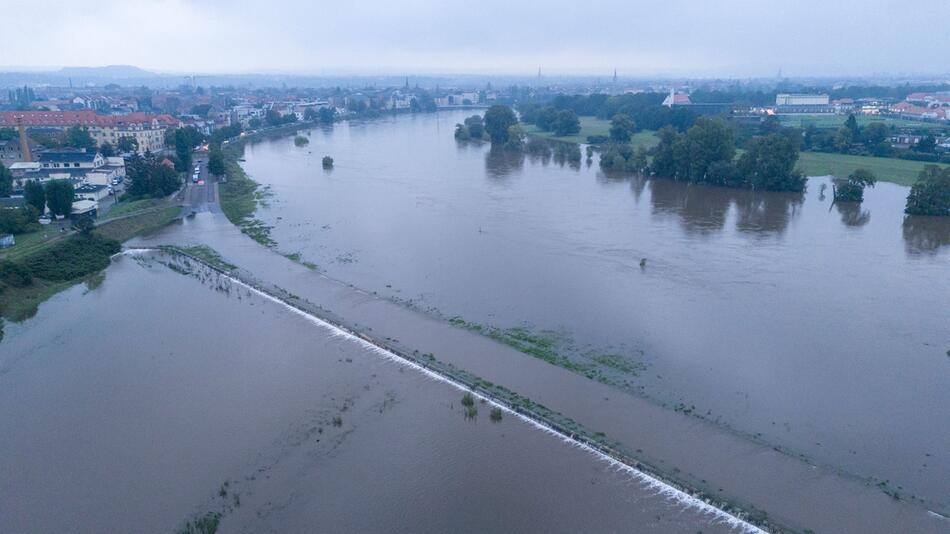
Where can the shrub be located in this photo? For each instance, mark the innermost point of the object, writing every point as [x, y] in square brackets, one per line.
[75, 257]
[14, 274]
[327, 162]
[495, 415]
[468, 400]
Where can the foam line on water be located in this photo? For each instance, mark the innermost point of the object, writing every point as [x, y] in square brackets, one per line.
[646, 480]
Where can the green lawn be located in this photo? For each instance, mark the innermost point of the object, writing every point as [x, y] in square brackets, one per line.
[31, 242]
[836, 121]
[125, 208]
[593, 126]
[899, 171]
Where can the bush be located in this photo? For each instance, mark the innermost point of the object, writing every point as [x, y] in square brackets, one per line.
[17, 220]
[495, 415]
[14, 274]
[327, 162]
[468, 400]
[931, 194]
[75, 257]
[301, 141]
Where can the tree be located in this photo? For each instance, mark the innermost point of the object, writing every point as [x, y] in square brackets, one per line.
[516, 136]
[706, 142]
[35, 195]
[852, 190]
[475, 126]
[106, 150]
[327, 115]
[852, 125]
[186, 139]
[216, 162]
[254, 122]
[59, 197]
[926, 145]
[127, 144]
[875, 133]
[768, 164]
[78, 137]
[148, 177]
[84, 224]
[6, 181]
[621, 128]
[201, 110]
[566, 123]
[497, 120]
[930, 195]
[844, 138]
[462, 133]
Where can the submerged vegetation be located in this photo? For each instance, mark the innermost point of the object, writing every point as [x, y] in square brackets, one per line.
[556, 349]
[931, 194]
[27, 282]
[239, 197]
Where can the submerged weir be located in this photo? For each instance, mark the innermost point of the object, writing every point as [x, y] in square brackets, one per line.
[652, 481]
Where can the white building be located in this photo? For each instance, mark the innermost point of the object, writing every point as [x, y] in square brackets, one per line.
[799, 99]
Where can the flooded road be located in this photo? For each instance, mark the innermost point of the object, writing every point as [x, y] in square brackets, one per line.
[169, 392]
[817, 328]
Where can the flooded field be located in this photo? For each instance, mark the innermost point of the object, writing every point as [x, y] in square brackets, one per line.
[818, 328]
[168, 394]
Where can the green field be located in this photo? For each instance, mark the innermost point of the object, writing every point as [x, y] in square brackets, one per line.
[593, 126]
[836, 121]
[899, 171]
[131, 206]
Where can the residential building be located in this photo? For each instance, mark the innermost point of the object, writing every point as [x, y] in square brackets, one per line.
[68, 160]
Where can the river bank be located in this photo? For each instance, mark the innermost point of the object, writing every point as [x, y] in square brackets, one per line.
[21, 300]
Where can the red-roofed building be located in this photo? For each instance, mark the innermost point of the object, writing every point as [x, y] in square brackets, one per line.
[676, 99]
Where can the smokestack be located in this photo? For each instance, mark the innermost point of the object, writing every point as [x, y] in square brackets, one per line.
[24, 140]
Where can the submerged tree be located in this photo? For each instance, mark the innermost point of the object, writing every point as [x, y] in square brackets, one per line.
[498, 119]
[931, 194]
[852, 190]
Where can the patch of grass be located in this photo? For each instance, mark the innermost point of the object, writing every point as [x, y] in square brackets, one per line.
[129, 227]
[240, 196]
[837, 121]
[471, 412]
[131, 206]
[898, 171]
[206, 524]
[495, 415]
[468, 400]
[31, 242]
[592, 126]
[208, 255]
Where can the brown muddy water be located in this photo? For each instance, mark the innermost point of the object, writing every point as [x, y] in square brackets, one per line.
[819, 328]
[168, 392]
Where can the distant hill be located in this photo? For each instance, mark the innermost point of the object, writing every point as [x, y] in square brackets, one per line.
[109, 71]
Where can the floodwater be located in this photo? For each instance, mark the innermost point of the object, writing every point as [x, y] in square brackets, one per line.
[166, 393]
[820, 328]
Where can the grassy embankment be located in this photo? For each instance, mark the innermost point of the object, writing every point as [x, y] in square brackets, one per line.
[898, 171]
[837, 121]
[239, 197]
[593, 126]
[56, 261]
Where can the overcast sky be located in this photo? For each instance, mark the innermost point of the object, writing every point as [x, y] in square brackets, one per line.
[638, 37]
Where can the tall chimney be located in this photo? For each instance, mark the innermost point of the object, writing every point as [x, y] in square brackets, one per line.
[24, 140]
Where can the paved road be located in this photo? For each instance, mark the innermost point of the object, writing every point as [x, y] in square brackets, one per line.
[201, 196]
